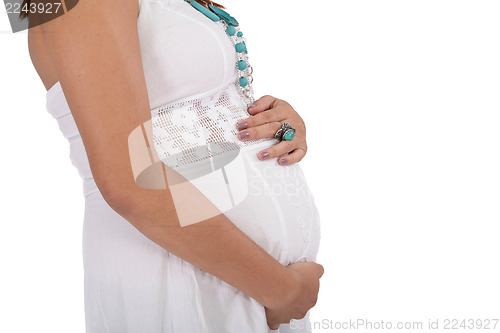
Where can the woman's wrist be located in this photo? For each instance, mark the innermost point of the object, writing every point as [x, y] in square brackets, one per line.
[285, 290]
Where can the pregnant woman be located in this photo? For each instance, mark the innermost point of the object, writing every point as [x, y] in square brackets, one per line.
[227, 242]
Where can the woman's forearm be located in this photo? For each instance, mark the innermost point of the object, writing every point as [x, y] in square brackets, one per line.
[214, 245]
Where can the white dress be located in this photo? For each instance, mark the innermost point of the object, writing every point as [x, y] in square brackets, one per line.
[131, 284]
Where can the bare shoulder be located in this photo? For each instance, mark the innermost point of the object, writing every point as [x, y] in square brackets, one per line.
[37, 47]
[40, 57]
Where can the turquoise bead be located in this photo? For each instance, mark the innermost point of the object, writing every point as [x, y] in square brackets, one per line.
[231, 31]
[241, 47]
[205, 11]
[224, 15]
[233, 21]
[289, 134]
[242, 64]
[240, 34]
[243, 81]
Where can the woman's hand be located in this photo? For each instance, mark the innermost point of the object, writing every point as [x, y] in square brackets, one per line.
[267, 115]
[301, 299]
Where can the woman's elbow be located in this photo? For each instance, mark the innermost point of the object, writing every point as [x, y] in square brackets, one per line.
[118, 197]
[144, 208]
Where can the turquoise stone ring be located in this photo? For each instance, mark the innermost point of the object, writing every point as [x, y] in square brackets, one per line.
[289, 134]
[286, 132]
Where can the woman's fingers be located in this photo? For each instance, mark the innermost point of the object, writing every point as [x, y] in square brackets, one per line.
[264, 103]
[287, 152]
[266, 130]
[263, 117]
[295, 156]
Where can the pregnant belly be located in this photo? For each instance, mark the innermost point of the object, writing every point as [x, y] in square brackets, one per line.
[270, 203]
[277, 209]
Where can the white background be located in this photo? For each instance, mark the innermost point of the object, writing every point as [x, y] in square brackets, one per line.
[401, 101]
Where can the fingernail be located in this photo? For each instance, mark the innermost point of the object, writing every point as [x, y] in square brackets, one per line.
[264, 155]
[252, 106]
[242, 126]
[283, 161]
[244, 135]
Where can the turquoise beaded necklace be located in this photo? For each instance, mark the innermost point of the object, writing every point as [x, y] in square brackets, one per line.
[231, 27]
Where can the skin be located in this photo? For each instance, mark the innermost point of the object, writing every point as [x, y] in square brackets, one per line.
[93, 51]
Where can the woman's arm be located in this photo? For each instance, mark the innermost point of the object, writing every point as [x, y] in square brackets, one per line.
[95, 51]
